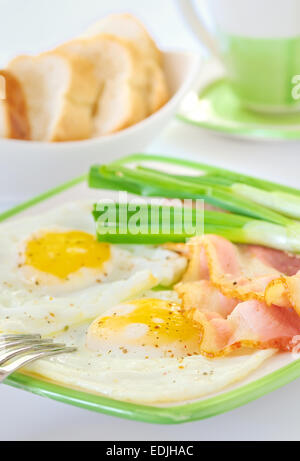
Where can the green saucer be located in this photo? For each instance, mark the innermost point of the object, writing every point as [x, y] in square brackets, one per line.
[218, 108]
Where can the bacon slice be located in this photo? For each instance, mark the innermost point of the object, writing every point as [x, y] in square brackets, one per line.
[205, 297]
[243, 296]
[239, 271]
[285, 263]
[251, 325]
[195, 253]
[285, 292]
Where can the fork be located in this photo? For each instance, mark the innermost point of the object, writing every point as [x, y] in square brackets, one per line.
[16, 351]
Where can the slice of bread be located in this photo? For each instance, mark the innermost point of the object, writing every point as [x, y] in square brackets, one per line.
[129, 28]
[14, 122]
[121, 78]
[60, 93]
[158, 93]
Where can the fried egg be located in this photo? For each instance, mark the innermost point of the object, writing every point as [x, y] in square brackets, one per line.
[144, 351]
[64, 258]
[145, 328]
[55, 274]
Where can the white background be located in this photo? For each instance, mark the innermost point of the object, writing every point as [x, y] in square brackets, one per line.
[34, 25]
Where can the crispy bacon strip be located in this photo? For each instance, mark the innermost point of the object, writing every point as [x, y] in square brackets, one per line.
[251, 325]
[285, 292]
[241, 295]
[205, 297]
[238, 271]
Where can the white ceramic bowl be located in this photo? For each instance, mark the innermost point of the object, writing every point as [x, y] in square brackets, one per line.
[28, 168]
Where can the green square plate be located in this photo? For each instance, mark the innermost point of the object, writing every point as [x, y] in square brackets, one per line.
[274, 373]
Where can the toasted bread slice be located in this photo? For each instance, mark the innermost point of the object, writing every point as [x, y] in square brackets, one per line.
[159, 92]
[14, 122]
[122, 81]
[129, 28]
[60, 93]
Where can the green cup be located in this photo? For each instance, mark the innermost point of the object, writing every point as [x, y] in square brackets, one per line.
[258, 43]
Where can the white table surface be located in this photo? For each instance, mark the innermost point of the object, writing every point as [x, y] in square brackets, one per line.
[40, 24]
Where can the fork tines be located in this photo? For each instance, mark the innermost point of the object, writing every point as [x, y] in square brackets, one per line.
[4, 338]
[18, 350]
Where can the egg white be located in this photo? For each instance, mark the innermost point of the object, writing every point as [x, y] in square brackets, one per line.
[129, 377]
[142, 381]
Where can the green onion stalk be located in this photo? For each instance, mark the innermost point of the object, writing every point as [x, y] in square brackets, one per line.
[257, 211]
[284, 199]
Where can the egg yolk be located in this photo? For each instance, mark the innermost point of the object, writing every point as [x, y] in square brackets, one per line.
[152, 322]
[63, 253]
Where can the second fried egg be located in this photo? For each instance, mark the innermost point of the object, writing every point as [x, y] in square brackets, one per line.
[145, 328]
[144, 351]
